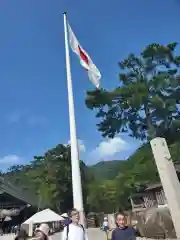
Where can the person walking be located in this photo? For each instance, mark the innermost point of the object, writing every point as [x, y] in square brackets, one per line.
[123, 232]
[74, 230]
[105, 226]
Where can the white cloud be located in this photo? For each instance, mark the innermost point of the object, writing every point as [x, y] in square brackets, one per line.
[10, 159]
[110, 147]
[81, 145]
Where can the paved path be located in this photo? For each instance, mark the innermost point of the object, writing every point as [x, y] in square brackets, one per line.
[96, 234]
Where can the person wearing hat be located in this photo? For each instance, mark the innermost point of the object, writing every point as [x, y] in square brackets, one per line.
[42, 233]
[64, 215]
[66, 220]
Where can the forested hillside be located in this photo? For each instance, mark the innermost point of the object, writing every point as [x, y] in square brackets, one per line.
[106, 185]
[105, 170]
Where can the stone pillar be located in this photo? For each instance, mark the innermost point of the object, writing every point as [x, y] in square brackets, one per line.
[168, 178]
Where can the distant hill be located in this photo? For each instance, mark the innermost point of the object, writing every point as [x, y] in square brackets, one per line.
[106, 170]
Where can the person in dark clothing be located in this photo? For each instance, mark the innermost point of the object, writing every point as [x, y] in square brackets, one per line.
[123, 232]
[21, 235]
[66, 222]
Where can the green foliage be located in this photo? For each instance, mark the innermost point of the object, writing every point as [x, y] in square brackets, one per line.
[145, 104]
[106, 185]
[113, 195]
[102, 197]
[133, 174]
[146, 101]
[49, 176]
[105, 170]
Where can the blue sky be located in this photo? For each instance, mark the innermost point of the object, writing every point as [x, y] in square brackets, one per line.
[33, 93]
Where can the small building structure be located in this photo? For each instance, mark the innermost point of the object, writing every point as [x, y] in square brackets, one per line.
[16, 205]
[150, 196]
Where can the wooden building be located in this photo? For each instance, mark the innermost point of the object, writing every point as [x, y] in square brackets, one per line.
[16, 204]
[150, 196]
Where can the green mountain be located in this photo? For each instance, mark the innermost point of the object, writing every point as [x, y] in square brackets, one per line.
[105, 170]
[140, 163]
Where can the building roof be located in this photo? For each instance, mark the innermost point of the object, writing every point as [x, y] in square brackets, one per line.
[153, 186]
[17, 192]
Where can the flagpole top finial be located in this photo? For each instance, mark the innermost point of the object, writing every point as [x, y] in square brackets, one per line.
[64, 13]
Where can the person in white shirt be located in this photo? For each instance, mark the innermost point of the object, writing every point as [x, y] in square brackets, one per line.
[105, 224]
[74, 231]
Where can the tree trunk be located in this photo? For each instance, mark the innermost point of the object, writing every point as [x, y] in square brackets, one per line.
[151, 133]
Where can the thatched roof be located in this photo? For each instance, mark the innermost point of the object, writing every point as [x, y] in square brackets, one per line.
[17, 192]
[153, 186]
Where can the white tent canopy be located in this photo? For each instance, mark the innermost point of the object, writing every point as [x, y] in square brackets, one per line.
[46, 215]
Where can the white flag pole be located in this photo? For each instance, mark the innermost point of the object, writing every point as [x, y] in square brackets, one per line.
[75, 166]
